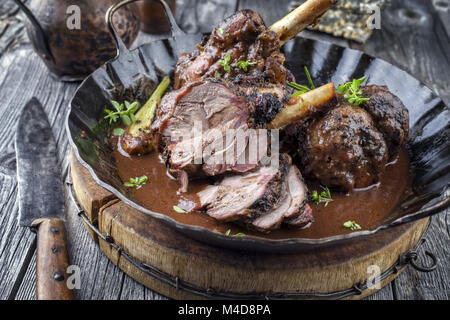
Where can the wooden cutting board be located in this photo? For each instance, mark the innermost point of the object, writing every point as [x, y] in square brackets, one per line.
[148, 241]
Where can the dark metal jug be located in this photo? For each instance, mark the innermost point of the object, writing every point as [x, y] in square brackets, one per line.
[72, 37]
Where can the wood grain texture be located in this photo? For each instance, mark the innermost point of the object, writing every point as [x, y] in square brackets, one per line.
[320, 271]
[52, 260]
[421, 46]
[202, 15]
[414, 38]
[421, 51]
[91, 208]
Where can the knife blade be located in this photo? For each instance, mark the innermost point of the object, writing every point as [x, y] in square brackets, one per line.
[41, 200]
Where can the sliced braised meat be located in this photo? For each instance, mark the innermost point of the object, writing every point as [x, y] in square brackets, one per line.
[262, 199]
[203, 129]
[222, 99]
[242, 196]
[302, 220]
[292, 205]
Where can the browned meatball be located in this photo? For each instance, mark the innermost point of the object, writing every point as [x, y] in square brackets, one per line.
[344, 149]
[389, 115]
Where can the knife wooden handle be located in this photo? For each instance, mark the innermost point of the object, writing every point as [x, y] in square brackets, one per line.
[52, 260]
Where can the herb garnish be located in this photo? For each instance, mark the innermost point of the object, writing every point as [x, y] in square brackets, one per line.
[352, 225]
[301, 88]
[118, 132]
[309, 78]
[137, 182]
[178, 209]
[225, 63]
[220, 30]
[217, 74]
[324, 196]
[244, 65]
[228, 233]
[351, 91]
[126, 113]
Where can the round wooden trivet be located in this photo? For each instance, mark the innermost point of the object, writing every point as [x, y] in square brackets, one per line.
[152, 243]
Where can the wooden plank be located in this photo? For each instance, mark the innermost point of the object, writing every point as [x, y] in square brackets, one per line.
[385, 293]
[271, 11]
[100, 279]
[27, 289]
[413, 37]
[442, 8]
[154, 243]
[415, 285]
[11, 28]
[22, 75]
[424, 52]
[202, 15]
[89, 191]
[16, 243]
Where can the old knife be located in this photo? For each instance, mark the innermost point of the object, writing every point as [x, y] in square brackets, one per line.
[41, 200]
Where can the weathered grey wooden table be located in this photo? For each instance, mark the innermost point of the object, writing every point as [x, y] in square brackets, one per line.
[414, 35]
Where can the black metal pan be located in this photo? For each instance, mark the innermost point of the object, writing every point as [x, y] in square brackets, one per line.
[134, 74]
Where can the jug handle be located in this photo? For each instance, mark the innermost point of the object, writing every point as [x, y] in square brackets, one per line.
[37, 35]
[176, 31]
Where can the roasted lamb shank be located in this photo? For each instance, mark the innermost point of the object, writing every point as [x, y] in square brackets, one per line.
[233, 87]
[233, 82]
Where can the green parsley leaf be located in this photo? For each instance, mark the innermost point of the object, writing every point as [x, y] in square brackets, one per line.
[117, 106]
[225, 63]
[220, 30]
[244, 65]
[125, 119]
[137, 182]
[178, 209]
[352, 225]
[323, 197]
[217, 74]
[228, 233]
[118, 132]
[351, 91]
[124, 111]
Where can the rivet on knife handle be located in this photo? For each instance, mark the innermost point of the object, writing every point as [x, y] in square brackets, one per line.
[52, 260]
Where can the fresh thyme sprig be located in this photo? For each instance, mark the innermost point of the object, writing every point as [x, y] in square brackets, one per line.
[228, 233]
[244, 65]
[351, 91]
[125, 111]
[309, 78]
[352, 225]
[225, 63]
[323, 197]
[137, 182]
[301, 88]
